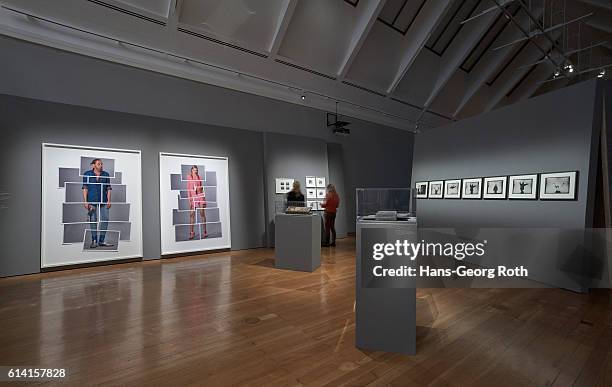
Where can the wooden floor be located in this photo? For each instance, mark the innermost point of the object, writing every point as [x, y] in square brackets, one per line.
[233, 319]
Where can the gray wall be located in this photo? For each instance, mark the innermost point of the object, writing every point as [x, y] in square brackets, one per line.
[25, 124]
[335, 157]
[291, 157]
[373, 156]
[549, 133]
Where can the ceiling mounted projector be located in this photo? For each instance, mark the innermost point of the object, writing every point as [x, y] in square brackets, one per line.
[339, 127]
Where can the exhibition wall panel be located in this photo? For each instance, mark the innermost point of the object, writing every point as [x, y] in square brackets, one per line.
[26, 124]
[291, 157]
[550, 133]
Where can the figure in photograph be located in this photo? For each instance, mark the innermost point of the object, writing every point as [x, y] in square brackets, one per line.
[97, 201]
[330, 204]
[197, 201]
[295, 197]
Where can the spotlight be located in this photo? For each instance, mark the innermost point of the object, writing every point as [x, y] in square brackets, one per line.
[569, 68]
[557, 73]
[303, 97]
[601, 74]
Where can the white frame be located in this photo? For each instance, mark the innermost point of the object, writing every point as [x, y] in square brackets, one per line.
[229, 228]
[311, 193]
[531, 196]
[286, 180]
[416, 187]
[44, 182]
[454, 196]
[465, 195]
[572, 195]
[501, 195]
[312, 184]
[441, 195]
[320, 182]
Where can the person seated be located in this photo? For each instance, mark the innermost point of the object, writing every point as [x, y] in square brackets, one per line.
[295, 197]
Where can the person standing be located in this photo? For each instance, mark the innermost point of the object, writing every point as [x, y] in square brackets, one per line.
[97, 197]
[330, 204]
[197, 200]
[295, 197]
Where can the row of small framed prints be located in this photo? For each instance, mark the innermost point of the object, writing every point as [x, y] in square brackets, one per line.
[552, 186]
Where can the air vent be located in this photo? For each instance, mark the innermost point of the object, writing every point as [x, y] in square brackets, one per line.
[364, 89]
[305, 69]
[221, 42]
[127, 12]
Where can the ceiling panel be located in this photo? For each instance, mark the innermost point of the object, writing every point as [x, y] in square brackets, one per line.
[158, 7]
[250, 23]
[319, 33]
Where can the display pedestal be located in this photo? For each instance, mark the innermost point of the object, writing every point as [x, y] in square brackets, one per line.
[385, 310]
[297, 242]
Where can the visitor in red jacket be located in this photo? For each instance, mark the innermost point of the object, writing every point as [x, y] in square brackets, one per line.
[330, 204]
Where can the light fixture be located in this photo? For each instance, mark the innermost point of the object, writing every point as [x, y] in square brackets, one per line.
[303, 97]
[601, 74]
[569, 68]
[557, 73]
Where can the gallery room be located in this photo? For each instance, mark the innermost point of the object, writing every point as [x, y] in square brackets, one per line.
[306, 192]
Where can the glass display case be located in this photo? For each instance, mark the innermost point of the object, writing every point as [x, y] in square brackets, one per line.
[282, 206]
[385, 204]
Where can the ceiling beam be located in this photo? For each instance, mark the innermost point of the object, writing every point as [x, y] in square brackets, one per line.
[461, 46]
[515, 73]
[417, 35]
[284, 18]
[491, 61]
[531, 83]
[364, 25]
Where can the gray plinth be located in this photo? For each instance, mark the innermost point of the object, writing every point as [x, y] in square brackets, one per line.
[297, 242]
[385, 310]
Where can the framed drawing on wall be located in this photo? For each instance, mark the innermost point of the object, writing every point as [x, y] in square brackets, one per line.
[435, 189]
[495, 187]
[284, 185]
[311, 182]
[194, 203]
[452, 189]
[472, 188]
[91, 205]
[558, 185]
[311, 193]
[523, 187]
[320, 182]
[421, 189]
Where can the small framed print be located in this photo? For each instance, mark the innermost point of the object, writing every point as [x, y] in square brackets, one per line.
[320, 193]
[313, 204]
[320, 182]
[311, 182]
[311, 193]
[523, 187]
[421, 189]
[283, 185]
[558, 185]
[452, 189]
[495, 187]
[435, 189]
[472, 188]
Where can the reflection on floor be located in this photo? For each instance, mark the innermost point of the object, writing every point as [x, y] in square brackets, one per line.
[232, 318]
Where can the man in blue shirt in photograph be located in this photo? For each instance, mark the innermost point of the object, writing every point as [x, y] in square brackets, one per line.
[97, 201]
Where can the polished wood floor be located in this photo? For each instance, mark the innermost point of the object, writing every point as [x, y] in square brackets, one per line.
[233, 319]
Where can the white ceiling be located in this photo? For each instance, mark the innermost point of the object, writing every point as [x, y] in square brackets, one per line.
[394, 62]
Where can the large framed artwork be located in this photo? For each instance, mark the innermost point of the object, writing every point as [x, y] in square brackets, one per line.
[495, 187]
[523, 187]
[91, 205]
[194, 203]
[558, 185]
